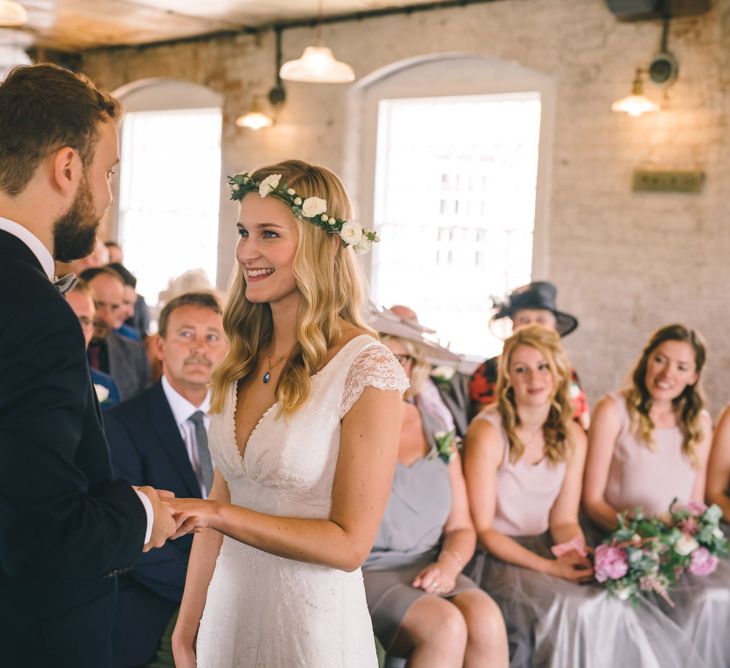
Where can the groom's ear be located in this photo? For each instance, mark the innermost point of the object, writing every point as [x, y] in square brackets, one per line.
[66, 171]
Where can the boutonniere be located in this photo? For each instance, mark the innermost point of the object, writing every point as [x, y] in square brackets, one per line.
[443, 374]
[102, 393]
[447, 445]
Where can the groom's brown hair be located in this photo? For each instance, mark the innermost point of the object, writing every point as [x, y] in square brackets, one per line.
[44, 108]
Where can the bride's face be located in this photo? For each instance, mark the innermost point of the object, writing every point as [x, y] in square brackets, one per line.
[268, 243]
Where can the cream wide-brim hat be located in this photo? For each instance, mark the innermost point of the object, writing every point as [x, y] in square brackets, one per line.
[387, 322]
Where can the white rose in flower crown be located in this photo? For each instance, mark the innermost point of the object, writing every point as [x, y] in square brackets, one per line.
[351, 232]
[686, 545]
[362, 246]
[268, 184]
[102, 393]
[313, 206]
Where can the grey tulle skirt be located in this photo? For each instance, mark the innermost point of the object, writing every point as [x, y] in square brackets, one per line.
[553, 623]
[390, 593]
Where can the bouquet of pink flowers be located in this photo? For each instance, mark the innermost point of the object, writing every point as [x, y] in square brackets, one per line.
[651, 553]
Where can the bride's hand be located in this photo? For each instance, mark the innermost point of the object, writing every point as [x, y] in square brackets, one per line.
[192, 515]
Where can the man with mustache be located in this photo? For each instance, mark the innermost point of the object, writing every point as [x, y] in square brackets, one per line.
[67, 527]
[159, 438]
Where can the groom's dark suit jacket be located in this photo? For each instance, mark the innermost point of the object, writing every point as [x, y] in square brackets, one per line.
[66, 526]
[147, 449]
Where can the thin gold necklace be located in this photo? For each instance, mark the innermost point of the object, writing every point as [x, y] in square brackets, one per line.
[267, 375]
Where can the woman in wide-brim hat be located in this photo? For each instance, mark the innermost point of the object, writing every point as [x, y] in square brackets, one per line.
[534, 303]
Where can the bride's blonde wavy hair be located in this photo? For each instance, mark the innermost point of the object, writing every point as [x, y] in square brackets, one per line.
[687, 406]
[558, 441]
[328, 278]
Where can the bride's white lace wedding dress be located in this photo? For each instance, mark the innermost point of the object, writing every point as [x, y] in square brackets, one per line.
[264, 610]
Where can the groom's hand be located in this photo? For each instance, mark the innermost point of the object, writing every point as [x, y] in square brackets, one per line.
[164, 525]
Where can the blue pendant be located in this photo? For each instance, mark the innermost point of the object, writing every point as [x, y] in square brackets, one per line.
[267, 377]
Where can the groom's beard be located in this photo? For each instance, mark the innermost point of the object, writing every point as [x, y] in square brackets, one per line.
[74, 233]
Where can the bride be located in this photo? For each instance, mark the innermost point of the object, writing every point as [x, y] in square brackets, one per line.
[304, 437]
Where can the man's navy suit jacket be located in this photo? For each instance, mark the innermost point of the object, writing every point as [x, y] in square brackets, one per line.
[66, 525]
[147, 449]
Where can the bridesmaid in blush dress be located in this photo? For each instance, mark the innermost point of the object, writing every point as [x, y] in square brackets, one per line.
[649, 445]
[524, 467]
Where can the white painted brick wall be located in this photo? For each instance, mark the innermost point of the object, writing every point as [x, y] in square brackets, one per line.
[625, 263]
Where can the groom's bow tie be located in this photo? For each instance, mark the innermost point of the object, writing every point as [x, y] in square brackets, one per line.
[66, 283]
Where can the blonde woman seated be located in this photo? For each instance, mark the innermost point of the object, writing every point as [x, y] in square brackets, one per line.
[524, 468]
[421, 605]
[649, 445]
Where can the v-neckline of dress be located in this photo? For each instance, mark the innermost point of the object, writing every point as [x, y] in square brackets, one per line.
[265, 414]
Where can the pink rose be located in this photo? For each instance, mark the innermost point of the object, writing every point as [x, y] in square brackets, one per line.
[702, 562]
[610, 563]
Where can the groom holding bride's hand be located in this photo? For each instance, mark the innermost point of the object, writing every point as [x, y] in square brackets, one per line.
[66, 526]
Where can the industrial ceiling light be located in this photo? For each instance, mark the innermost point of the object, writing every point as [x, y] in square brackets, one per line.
[12, 14]
[317, 64]
[636, 103]
[254, 118]
[663, 70]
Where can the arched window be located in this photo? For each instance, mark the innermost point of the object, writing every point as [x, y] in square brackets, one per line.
[169, 185]
[453, 161]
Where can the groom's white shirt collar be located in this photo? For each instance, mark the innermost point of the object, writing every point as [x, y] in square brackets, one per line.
[32, 241]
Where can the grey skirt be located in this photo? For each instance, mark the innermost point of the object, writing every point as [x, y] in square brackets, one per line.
[553, 623]
[390, 593]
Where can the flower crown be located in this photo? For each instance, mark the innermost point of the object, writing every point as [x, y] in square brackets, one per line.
[311, 209]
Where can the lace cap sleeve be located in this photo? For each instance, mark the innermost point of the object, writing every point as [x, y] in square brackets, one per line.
[376, 367]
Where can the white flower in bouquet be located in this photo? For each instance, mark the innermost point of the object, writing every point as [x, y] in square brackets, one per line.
[443, 373]
[351, 233]
[713, 513]
[686, 545]
[102, 393]
[270, 183]
[313, 206]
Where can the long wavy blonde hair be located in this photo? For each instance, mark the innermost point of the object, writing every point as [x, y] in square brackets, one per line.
[687, 406]
[558, 441]
[328, 278]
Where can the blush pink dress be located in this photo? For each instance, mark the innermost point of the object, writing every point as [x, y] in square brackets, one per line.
[555, 623]
[651, 479]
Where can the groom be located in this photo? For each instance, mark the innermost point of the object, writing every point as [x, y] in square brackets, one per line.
[66, 526]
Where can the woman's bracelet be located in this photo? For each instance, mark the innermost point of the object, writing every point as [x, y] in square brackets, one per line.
[455, 556]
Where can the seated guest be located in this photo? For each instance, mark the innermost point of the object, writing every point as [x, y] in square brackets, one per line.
[533, 303]
[421, 605]
[124, 360]
[115, 251]
[524, 468]
[80, 300]
[129, 300]
[649, 445]
[718, 468]
[160, 437]
[444, 396]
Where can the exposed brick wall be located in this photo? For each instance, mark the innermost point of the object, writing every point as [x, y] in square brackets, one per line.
[625, 263]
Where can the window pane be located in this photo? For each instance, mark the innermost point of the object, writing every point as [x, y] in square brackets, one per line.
[169, 194]
[455, 207]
